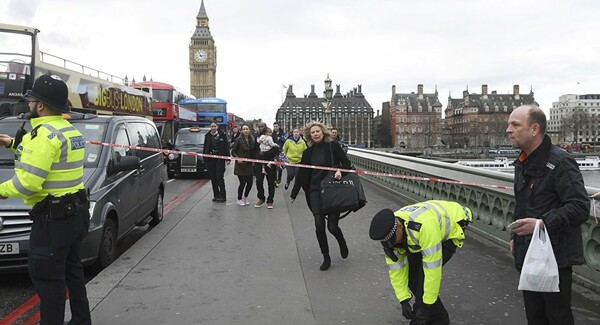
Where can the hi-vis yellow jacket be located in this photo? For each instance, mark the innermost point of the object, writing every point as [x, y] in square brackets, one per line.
[49, 161]
[438, 223]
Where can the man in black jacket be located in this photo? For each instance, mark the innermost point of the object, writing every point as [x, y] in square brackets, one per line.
[279, 137]
[548, 187]
[335, 137]
[216, 143]
[258, 168]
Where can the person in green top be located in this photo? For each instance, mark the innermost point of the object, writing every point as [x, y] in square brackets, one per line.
[293, 148]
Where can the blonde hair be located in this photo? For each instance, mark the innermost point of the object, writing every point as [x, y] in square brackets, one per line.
[324, 129]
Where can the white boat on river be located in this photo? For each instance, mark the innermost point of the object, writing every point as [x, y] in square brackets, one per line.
[504, 164]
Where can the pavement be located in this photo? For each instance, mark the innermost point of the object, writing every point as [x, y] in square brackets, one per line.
[219, 263]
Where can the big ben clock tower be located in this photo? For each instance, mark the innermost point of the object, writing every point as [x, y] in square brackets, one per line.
[203, 58]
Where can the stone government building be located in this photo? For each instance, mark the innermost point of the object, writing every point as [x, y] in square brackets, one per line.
[414, 120]
[351, 113]
[203, 58]
[480, 120]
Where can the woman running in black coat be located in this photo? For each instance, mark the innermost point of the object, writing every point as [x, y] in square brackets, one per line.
[321, 152]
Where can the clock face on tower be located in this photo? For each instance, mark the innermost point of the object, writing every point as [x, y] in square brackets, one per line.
[200, 56]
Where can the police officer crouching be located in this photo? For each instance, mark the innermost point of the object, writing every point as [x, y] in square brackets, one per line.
[48, 176]
[418, 240]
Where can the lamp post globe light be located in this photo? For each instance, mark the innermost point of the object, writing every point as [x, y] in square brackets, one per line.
[328, 92]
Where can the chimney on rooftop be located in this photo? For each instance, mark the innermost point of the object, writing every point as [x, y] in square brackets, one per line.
[484, 91]
[516, 91]
[420, 90]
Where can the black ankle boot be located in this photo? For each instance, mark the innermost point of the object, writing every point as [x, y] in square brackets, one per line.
[343, 248]
[326, 263]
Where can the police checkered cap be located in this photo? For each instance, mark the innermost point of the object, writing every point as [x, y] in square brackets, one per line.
[383, 225]
[50, 90]
[468, 214]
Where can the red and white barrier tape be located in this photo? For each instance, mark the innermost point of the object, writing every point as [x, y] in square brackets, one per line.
[279, 163]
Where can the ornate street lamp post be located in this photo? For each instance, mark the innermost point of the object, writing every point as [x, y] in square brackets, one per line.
[328, 92]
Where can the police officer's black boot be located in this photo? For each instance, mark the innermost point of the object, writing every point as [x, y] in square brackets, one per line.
[439, 314]
[326, 262]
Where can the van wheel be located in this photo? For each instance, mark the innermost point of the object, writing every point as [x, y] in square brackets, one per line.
[108, 245]
[158, 212]
[170, 174]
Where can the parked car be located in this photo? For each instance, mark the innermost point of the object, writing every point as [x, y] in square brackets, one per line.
[126, 187]
[189, 140]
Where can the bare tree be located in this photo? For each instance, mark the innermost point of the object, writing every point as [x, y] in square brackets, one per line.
[576, 123]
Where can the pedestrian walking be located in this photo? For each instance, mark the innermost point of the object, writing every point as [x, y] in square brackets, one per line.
[244, 147]
[418, 240]
[548, 187]
[293, 148]
[279, 137]
[48, 176]
[234, 134]
[335, 137]
[216, 143]
[268, 149]
[320, 152]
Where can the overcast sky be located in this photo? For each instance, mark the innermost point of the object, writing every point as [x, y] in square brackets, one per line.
[549, 45]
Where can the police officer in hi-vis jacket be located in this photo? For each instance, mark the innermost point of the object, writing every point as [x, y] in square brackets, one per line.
[418, 240]
[48, 176]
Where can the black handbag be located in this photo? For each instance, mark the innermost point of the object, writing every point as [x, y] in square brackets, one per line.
[344, 195]
[339, 196]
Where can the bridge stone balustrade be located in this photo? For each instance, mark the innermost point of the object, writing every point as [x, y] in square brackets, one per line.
[492, 207]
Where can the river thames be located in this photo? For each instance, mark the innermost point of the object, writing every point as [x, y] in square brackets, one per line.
[591, 178]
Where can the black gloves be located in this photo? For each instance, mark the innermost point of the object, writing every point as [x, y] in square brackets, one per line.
[407, 311]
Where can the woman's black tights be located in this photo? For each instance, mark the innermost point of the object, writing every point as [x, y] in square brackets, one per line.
[245, 182]
[332, 225]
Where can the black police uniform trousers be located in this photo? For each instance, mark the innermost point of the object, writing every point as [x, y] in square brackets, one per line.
[546, 308]
[216, 171]
[54, 265]
[416, 279]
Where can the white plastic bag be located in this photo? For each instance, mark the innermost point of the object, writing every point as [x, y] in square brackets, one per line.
[540, 271]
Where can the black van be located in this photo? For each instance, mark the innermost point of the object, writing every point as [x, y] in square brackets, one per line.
[126, 187]
[188, 140]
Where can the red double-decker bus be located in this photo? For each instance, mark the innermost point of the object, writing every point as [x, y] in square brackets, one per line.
[167, 114]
